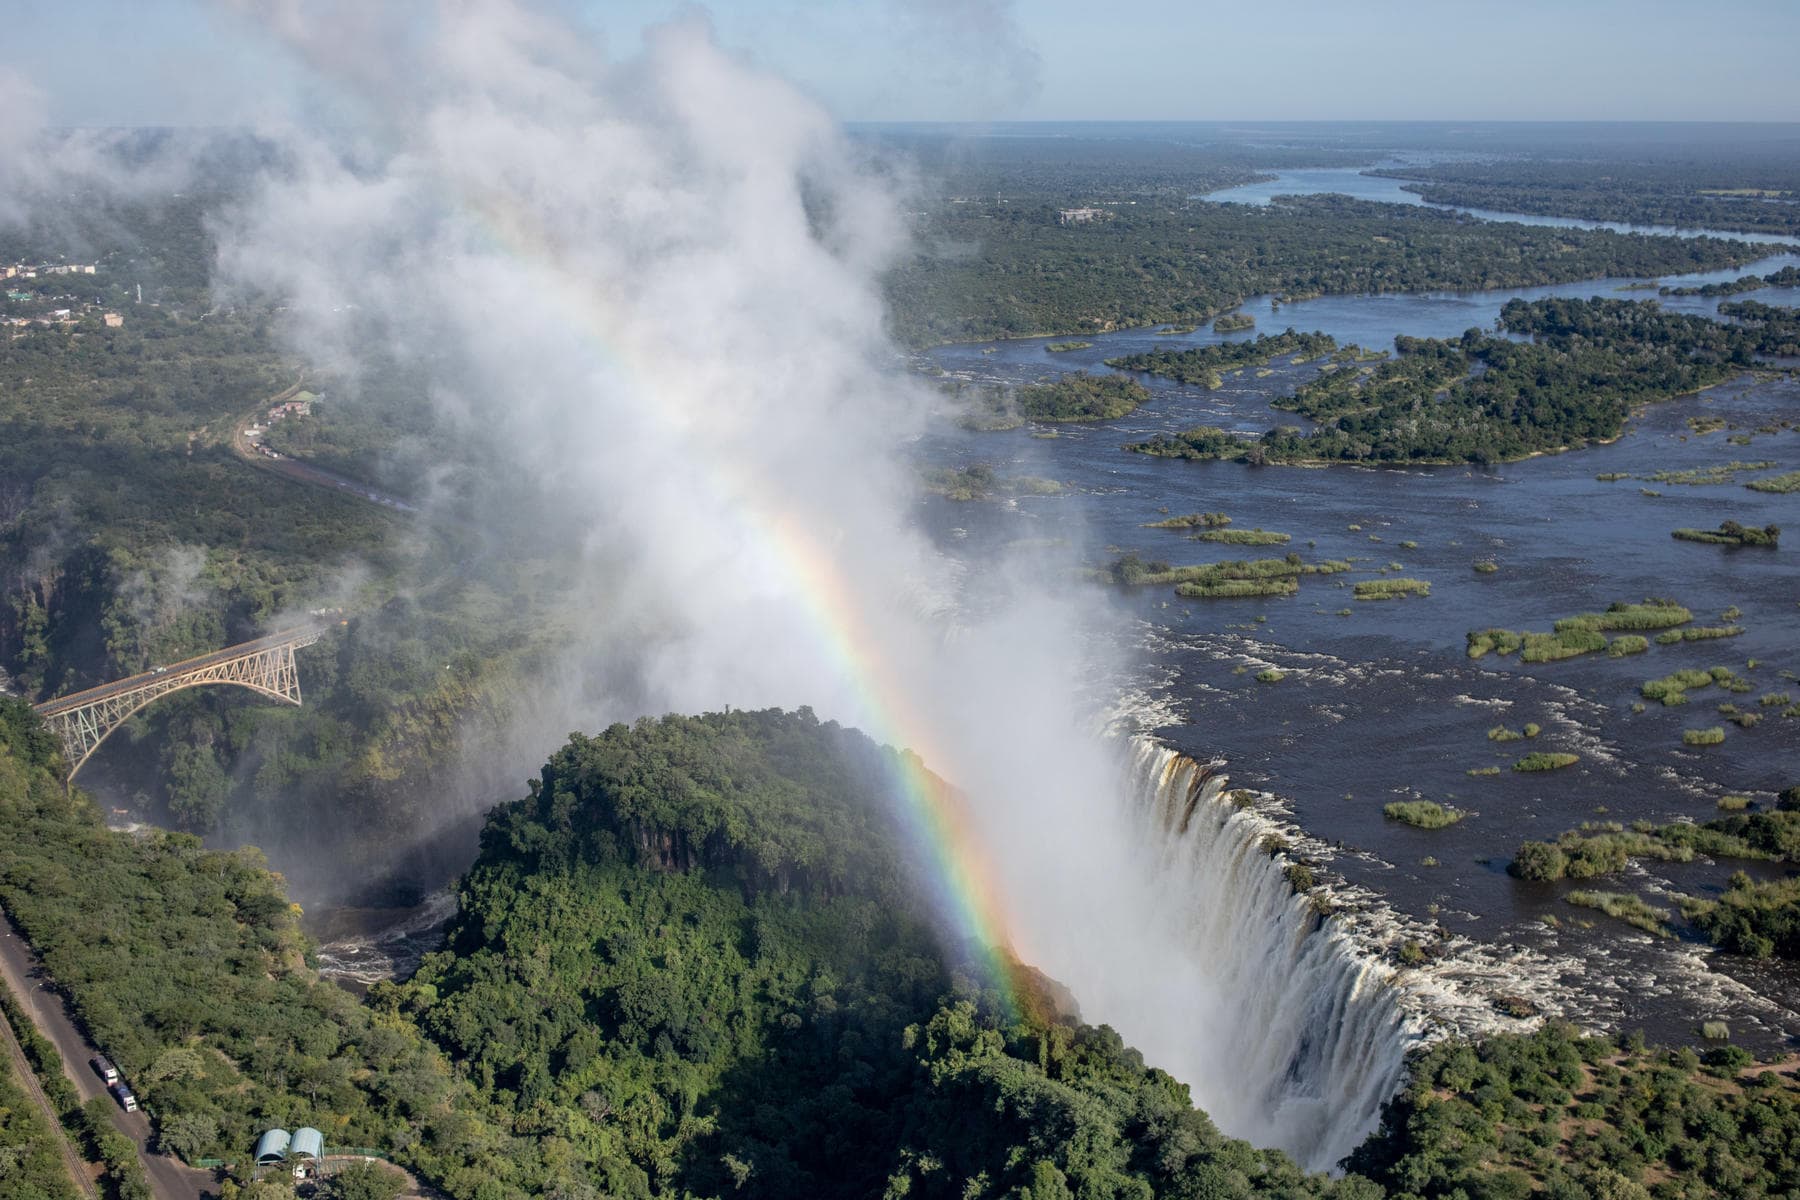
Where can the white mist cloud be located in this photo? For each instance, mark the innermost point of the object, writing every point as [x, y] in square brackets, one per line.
[652, 288]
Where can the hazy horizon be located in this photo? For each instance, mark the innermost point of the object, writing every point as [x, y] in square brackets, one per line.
[183, 62]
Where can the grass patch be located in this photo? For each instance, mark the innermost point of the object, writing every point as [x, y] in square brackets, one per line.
[1479, 772]
[1486, 566]
[1627, 643]
[1065, 347]
[1703, 737]
[1270, 676]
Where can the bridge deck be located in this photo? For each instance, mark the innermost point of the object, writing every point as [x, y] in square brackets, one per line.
[304, 635]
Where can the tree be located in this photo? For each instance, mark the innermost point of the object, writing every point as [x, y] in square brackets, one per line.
[367, 1181]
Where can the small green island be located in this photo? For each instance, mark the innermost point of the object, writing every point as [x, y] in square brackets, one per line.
[981, 482]
[1205, 366]
[1233, 323]
[1208, 520]
[1081, 396]
[1220, 581]
[1730, 533]
[1242, 537]
[1065, 347]
[1584, 633]
[1422, 814]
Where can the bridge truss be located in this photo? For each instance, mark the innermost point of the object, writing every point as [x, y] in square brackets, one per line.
[266, 666]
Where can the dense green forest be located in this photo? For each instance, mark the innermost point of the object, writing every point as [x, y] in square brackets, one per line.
[1750, 197]
[186, 966]
[986, 269]
[1483, 398]
[1568, 1117]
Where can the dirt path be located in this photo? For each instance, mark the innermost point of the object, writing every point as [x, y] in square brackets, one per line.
[81, 1171]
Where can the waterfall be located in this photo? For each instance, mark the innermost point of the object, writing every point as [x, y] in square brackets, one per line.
[1288, 1033]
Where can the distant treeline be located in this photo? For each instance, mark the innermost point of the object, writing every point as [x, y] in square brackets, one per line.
[1752, 197]
[985, 269]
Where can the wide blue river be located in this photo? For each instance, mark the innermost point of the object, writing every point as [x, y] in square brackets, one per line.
[1380, 701]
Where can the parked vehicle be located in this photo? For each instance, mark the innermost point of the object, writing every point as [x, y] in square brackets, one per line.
[123, 1095]
[104, 1069]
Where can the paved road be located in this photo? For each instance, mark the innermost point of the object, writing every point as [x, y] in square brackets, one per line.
[169, 1178]
[301, 471]
[81, 1173]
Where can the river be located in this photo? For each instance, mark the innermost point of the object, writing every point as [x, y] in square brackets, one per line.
[1380, 702]
[1350, 181]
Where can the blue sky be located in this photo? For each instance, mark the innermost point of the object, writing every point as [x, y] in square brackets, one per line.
[183, 62]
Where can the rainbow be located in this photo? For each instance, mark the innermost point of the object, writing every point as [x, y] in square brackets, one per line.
[965, 889]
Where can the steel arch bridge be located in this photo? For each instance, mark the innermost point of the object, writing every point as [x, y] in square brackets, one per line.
[83, 720]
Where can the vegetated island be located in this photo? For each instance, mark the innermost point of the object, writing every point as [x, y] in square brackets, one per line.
[1242, 537]
[1786, 277]
[1065, 347]
[1485, 399]
[1757, 918]
[1730, 533]
[1584, 633]
[1209, 520]
[1233, 322]
[1779, 484]
[1220, 581]
[981, 482]
[1422, 814]
[1081, 396]
[1205, 366]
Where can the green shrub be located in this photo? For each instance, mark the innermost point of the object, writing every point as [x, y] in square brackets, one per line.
[1540, 862]
[1702, 737]
[1270, 676]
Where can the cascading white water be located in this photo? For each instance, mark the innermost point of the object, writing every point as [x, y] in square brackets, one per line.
[1290, 1035]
